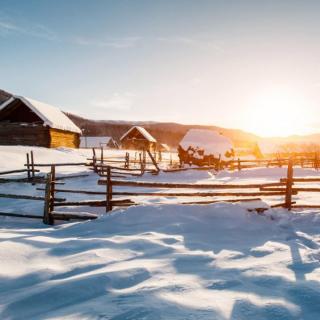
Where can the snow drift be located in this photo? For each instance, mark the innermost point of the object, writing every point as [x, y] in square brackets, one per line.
[163, 262]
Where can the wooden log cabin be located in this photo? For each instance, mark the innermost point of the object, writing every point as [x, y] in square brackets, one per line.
[24, 121]
[138, 138]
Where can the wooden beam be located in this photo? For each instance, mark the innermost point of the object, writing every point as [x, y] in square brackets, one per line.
[26, 197]
[16, 171]
[20, 215]
[153, 160]
[187, 185]
[74, 216]
[59, 164]
[198, 194]
[223, 200]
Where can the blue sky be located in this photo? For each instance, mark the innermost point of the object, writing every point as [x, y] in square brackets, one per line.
[230, 63]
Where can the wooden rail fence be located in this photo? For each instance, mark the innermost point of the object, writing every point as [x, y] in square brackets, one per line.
[113, 194]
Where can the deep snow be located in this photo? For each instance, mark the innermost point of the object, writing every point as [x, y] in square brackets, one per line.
[163, 261]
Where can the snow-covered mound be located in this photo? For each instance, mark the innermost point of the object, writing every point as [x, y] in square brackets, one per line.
[163, 262]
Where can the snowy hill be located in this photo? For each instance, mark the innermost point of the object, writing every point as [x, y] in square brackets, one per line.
[158, 261]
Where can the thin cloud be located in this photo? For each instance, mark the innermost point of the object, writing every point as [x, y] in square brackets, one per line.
[192, 41]
[117, 101]
[35, 30]
[182, 40]
[119, 43]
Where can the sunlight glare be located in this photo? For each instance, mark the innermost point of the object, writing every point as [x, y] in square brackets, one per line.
[277, 113]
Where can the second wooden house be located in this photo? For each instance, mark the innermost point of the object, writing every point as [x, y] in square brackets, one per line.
[138, 138]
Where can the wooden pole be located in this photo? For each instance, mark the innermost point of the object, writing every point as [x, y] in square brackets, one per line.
[32, 164]
[28, 167]
[239, 164]
[144, 158]
[153, 161]
[288, 199]
[141, 164]
[52, 189]
[126, 160]
[109, 191]
[94, 160]
[47, 216]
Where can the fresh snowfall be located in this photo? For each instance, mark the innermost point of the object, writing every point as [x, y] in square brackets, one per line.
[160, 259]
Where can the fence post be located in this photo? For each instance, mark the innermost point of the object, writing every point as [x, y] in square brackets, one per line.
[144, 159]
[94, 160]
[126, 160]
[288, 200]
[52, 188]
[219, 162]
[47, 215]
[101, 156]
[109, 190]
[239, 164]
[28, 167]
[32, 164]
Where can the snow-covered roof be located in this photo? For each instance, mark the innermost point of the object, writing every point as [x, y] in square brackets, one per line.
[91, 142]
[143, 131]
[51, 116]
[212, 142]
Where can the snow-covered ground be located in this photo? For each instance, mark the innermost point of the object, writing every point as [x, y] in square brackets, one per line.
[158, 261]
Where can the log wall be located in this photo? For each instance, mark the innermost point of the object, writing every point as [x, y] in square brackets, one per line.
[28, 135]
[37, 135]
[60, 138]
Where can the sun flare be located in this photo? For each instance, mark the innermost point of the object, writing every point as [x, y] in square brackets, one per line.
[277, 113]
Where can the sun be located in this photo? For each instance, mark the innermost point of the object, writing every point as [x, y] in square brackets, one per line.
[277, 113]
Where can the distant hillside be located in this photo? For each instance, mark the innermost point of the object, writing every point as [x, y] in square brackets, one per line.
[165, 132]
[171, 133]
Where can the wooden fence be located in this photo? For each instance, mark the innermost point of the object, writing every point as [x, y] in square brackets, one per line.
[263, 190]
[113, 195]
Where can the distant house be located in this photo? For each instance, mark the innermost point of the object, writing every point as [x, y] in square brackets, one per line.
[97, 142]
[138, 138]
[203, 147]
[24, 121]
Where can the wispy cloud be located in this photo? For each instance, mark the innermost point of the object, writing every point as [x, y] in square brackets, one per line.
[34, 30]
[8, 27]
[117, 101]
[192, 41]
[178, 39]
[121, 42]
